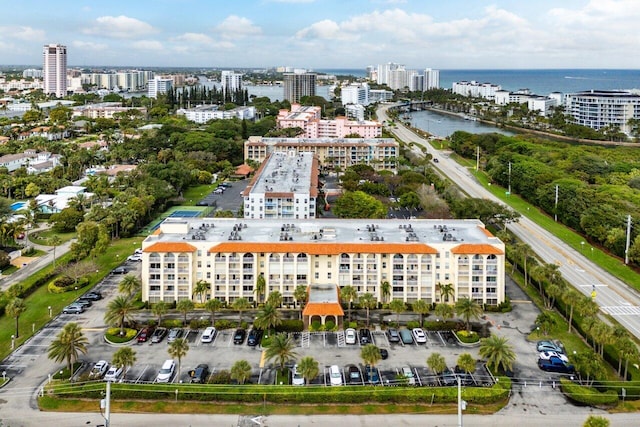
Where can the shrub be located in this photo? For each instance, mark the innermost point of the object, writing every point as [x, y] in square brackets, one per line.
[220, 377]
[329, 326]
[113, 335]
[449, 325]
[199, 323]
[225, 324]
[468, 337]
[172, 323]
[316, 325]
[290, 325]
[413, 324]
[588, 395]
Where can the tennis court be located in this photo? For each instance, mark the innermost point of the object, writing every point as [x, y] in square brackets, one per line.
[177, 213]
[185, 214]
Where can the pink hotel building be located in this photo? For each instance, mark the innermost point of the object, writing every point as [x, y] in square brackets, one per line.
[309, 120]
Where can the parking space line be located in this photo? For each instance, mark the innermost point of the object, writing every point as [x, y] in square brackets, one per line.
[263, 359]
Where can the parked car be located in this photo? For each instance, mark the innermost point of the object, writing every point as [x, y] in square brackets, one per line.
[113, 374]
[549, 346]
[99, 369]
[393, 335]
[135, 258]
[296, 376]
[354, 375]
[120, 270]
[435, 160]
[448, 378]
[384, 354]
[549, 354]
[83, 302]
[335, 375]
[419, 336]
[408, 374]
[174, 334]
[350, 336]
[371, 374]
[200, 374]
[138, 251]
[158, 335]
[238, 336]
[555, 364]
[145, 334]
[73, 309]
[406, 336]
[208, 335]
[92, 296]
[255, 335]
[365, 337]
[166, 372]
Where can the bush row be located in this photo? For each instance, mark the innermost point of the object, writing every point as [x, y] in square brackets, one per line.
[588, 395]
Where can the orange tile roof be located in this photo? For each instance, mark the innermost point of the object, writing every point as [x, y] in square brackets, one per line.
[170, 247]
[157, 232]
[244, 169]
[324, 248]
[479, 248]
[322, 309]
[486, 232]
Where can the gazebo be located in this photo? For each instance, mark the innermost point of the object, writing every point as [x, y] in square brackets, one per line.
[323, 304]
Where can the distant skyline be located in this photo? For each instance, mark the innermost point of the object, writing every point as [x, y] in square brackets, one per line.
[321, 34]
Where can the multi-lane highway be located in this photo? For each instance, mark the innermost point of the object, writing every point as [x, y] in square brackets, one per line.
[612, 295]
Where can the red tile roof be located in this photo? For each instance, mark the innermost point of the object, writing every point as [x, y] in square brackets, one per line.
[476, 248]
[170, 247]
[322, 309]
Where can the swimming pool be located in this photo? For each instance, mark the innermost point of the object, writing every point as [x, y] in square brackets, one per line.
[18, 205]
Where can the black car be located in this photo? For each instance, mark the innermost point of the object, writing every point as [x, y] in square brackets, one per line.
[384, 354]
[84, 302]
[238, 336]
[255, 335]
[354, 376]
[555, 364]
[365, 337]
[158, 335]
[119, 270]
[200, 374]
[92, 296]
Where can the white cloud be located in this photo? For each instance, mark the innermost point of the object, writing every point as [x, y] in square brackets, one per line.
[147, 45]
[88, 45]
[121, 27]
[22, 33]
[198, 38]
[234, 27]
[293, 1]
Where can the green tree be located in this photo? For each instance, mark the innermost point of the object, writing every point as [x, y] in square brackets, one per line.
[268, 317]
[119, 310]
[281, 348]
[184, 306]
[159, 309]
[498, 352]
[308, 368]
[410, 201]
[385, 290]
[466, 362]
[546, 322]
[261, 286]
[596, 421]
[357, 204]
[241, 371]
[468, 309]
[348, 294]
[200, 289]
[55, 241]
[420, 307]
[589, 366]
[178, 349]
[213, 306]
[300, 295]
[129, 285]
[370, 355]
[397, 306]
[436, 363]
[446, 291]
[524, 253]
[68, 344]
[570, 297]
[275, 298]
[14, 309]
[368, 301]
[444, 310]
[240, 305]
[125, 357]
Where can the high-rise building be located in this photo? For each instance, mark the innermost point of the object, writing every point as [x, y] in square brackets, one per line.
[54, 69]
[297, 85]
[159, 85]
[431, 79]
[355, 93]
[231, 81]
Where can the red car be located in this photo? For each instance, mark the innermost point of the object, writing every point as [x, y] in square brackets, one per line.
[145, 334]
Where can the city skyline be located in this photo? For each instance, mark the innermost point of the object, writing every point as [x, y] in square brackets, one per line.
[316, 34]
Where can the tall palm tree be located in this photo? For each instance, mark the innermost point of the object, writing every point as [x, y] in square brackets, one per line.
[125, 357]
[523, 252]
[466, 362]
[629, 352]
[545, 322]
[498, 352]
[200, 289]
[261, 286]
[570, 297]
[370, 354]
[179, 349]
[275, 298]
[281, 348]
[397, 306]
[421, 307]
[268, 317]
[184, 306]
[300, 295]
[444, 310]
[554, 291]
[550, 273]
[446, 291]
[129, 285]
[159, 309]
[240, 305]
[436, 363]
[14, 309]
[602, 335]
[212, 306]
[69, 343]
[55, 241]
[348, 294]
[308, 368]
[119, 310]
[368, 301]
[241, 371]
[385, 290]
[468, 309]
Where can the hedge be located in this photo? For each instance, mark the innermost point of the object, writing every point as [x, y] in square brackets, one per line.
[588, 395]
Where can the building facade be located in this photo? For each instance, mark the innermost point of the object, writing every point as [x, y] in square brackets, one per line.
[54, 69]
[230, 81]
[205, 113]
[355, 93]
[475, 89]
[297, 85]
[599, 108]
[415, 258]
[308, 119]
[159, 85]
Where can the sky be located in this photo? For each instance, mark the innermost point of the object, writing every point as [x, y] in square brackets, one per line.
[326, 34]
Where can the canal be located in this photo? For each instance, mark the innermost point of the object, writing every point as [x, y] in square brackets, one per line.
[443, 125]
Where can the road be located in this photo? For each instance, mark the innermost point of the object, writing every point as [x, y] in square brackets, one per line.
[613, 296]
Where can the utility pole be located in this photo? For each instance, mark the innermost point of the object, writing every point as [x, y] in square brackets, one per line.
[509, 190]
[477, 158]
[555, 210]
[459, 402]
[107, 405]
[626, 248]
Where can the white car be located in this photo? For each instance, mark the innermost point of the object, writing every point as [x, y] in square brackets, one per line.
[166, 372]
[296, 376]
[99, 369]
[408, 374]
[419, 336]
[135, 258]
[113, 374]
[546, 355]
[335, 375]
[350, 336]
[208, 334]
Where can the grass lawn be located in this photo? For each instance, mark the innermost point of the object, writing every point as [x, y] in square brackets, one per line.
[192, 195]
[42, 237]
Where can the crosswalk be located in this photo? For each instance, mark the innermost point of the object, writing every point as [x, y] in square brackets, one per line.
[621, 310]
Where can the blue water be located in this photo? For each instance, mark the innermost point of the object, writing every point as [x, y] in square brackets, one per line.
[17, 206]
[443, 125]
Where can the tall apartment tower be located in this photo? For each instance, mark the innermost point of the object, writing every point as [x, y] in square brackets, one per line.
[231, 81]
[54, 69]
[431, 79]
[297, 85]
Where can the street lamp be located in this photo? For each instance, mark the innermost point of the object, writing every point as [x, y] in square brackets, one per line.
[49, 312]
[582, 245]
[13, 342]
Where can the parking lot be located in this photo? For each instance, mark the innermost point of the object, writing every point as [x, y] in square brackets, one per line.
[228, 199]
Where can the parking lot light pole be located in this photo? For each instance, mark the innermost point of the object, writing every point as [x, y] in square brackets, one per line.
[459, 402]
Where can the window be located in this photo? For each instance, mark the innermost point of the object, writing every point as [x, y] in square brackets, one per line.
[329, 275]
[328, 264]
[170, 265]
[154, 277]
[171, 277]
[316, 275]
[199, 264]
[154, 265]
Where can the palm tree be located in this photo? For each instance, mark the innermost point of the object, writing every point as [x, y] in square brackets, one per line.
[498, 352]
[129, 285]
[160, 309]
[368, 301]
[385, 290]
[570, 297]
[184, 306]
[281, 348]
[308, 368]
[466, 362]
[629, 352]
[590, 367]
[240, 305]
[554, 291]
[446, 291]
[421, 307]
[370, 354]
[545, 322]
[602, 335]
[469, 309]
[348, 294]
[212, 306]
[444, 310]
[200, 289]
[587, 307]
[268, 317]
[69, 343]
[436, 363]
[275, 298]
[119, 310]
[125, 357]
[397, 306]
[14, 309]
[55, 241]
[300, 295]
[523, 251]
[549, 273]
[241, 371]
[179, 349]
[261, 285]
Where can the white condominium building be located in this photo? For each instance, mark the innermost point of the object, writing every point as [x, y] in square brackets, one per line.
[205, 113]
[475, 89]
[54, 69]
[355, 93]
[158, 86]
[431, 79]
[599, 108]
[416, 258]
[285, 186]
[230, 81]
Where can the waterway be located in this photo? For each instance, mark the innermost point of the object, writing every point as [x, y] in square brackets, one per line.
[443, 125]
